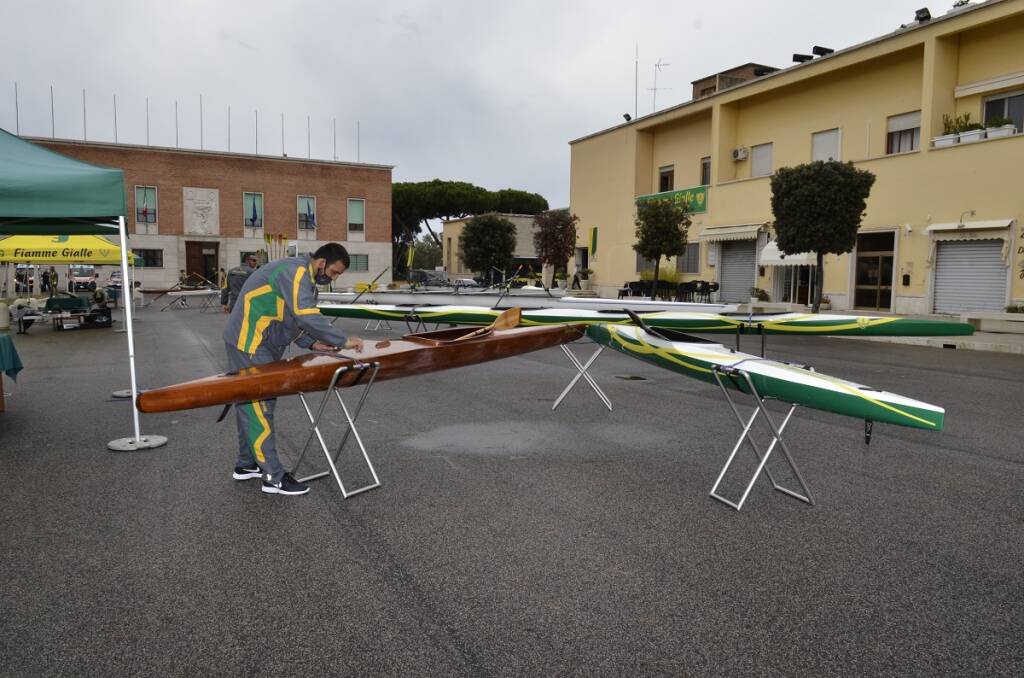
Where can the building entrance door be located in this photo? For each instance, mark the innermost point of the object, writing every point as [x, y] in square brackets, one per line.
[201, 259]
[873, 278]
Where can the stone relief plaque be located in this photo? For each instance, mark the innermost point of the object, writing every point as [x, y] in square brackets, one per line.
[201, 208]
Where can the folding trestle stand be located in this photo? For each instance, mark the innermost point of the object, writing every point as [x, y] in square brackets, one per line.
[734, 374]
[367, 374]
[581, 369]
[379, 323]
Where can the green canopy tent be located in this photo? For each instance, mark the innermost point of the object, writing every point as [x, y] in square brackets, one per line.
[46, 193]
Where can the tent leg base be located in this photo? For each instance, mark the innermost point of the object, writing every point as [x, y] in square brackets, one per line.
[132, 445]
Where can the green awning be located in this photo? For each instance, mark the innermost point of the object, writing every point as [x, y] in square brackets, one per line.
[46, 193]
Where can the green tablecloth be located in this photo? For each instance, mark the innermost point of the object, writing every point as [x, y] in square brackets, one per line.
[10, 363]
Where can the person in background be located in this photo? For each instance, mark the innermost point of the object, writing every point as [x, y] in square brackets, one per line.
[54, 281]
[44, 282]
[235, 280]
[222, 279]
[277, 306]
[182, 278]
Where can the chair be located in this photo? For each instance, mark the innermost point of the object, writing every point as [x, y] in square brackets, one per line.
[685, 290]
[712, 288]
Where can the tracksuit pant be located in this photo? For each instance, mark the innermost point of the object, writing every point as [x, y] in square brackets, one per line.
[255, 420]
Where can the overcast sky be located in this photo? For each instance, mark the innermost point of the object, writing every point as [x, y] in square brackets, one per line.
[480, 91]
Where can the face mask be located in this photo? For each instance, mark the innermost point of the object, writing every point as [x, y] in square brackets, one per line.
[322, 278]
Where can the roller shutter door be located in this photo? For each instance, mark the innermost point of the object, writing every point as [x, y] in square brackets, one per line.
[970, 276]
[737, 275]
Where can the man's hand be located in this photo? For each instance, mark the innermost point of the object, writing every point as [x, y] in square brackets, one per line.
[323, 348]
[355, 343]
[226, 309]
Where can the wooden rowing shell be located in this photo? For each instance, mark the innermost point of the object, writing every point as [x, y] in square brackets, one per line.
[413, 354]
[773, 379]
[684, 321]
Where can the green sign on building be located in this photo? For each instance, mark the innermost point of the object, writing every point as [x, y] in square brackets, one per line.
[696, 198]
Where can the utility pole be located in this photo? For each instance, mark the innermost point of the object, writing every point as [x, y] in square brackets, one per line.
[636, 82]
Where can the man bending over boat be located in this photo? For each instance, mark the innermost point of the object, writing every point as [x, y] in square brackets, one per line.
[277, 306]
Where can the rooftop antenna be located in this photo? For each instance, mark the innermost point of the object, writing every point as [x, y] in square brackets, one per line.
[657, 69]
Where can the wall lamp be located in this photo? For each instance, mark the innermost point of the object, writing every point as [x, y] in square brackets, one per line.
[969, 213]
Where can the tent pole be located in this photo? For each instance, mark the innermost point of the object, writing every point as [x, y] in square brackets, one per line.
[139, 442]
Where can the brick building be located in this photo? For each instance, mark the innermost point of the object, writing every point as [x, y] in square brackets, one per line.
[200, 211]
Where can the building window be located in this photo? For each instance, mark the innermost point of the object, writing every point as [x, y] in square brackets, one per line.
[1009, 105]
[149, 258]
[666, 178]
[360, 262]
[825, 145]
[761, 160]
[252, 210]
[643, 263]
[145, 204]
[244, 256]
[356, 215]
[903, 133]
[689, 262]
[306, 205]
[705, 171]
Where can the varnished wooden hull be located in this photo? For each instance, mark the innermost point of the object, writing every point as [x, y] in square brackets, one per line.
[413, 354]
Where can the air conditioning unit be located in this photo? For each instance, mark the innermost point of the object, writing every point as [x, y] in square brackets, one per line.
[740, 153]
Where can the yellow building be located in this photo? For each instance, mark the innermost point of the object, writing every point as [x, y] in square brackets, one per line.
[524, 253]
[942, 229]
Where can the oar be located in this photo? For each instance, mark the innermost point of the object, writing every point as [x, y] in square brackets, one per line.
[506, 321]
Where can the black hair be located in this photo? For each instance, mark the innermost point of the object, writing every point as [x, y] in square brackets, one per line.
[332, 252]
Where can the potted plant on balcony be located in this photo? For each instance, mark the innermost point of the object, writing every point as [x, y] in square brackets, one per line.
[950, 129]
[1000, 127]
[971, 132]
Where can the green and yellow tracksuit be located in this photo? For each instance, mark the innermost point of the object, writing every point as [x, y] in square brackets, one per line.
[276, 307]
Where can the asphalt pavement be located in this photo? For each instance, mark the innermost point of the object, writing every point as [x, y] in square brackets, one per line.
[507, 539]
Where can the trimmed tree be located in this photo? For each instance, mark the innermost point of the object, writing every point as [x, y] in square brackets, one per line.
[554, 237]
[487, 242]
[414, 204]
[818, 207]
[661, 228]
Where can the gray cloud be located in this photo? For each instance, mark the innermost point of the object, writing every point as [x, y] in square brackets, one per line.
[488, 92]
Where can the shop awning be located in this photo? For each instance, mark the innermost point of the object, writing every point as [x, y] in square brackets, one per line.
[771, 256]
[59, 249]
[737, 232]
[970, 226]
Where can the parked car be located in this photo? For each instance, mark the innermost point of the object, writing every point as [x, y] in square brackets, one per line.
[82, 277]
[114, 279]
[465, 282]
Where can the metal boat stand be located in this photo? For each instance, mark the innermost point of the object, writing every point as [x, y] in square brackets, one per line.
[379, 323]
[733, 374]
[415, 324]
[332, 459]
[581, 369]
[740, 329]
